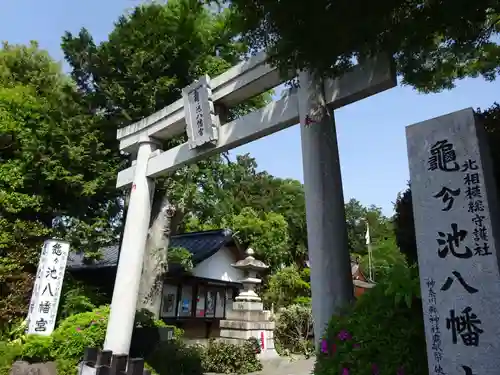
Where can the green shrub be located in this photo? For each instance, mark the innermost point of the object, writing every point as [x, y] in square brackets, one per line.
[197, 359]
[37, 349]
[150, 368]
[225, 358]
[289, 285]
[144, 318]
[78, 297]
[9, 352]
[88, 329]
[293, 330]
[79, 331]
[14, 331]
[176, 358]
[66, 366]
[68, 341]
[75, 302]
[256, 344]
[382, 333]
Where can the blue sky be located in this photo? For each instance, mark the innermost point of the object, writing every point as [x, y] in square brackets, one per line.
[370, 133]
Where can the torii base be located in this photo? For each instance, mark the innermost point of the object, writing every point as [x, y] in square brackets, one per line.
[96, 362]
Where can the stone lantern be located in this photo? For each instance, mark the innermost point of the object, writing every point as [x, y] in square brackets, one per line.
[247, 318]
[251, 267]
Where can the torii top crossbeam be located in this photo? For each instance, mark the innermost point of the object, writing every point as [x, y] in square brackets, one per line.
[243, 81]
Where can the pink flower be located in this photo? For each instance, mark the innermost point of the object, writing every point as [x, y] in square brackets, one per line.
[324, 346]
[345, 371]
[375, 370]
[356, 346]
[401, 371]
[344, 335]
[78, 329]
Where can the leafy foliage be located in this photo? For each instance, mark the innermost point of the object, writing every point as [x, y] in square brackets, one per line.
[288, 286]
[217, 357]
[66, 367]
[404, 226]
[180, 256]
[56, 171]
[256, 344]
[150, 56]
[267, 233]
[182, 359]
[67, 342]
[9, 352]
[145, 319]
[78, 297]
[433, 43]
[225, 358]
[266, 212]
[294, 328]
[251, 203]
[88, 329]
[385, 255]
[79, 331]
[388, 316]
[37, 349]
[153, 52]
[357, 217]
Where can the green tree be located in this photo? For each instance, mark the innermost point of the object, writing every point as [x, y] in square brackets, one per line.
[404, 226]
[56, 171]
[152, 53]
[357, 217]
[266, 233]
[240, 197]
[433, 43]
[385, 255]
[287, 286]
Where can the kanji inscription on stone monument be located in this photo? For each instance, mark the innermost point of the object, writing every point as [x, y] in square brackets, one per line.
[454, 205]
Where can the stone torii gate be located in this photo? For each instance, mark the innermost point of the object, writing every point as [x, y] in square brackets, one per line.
[312, 105]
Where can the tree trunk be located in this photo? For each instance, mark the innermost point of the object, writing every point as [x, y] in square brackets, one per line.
[165, 218]
[155, 255]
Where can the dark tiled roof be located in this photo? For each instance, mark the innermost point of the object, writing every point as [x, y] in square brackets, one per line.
[109, 257]
[201, 245]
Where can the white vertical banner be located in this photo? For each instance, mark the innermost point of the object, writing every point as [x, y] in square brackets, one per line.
[44, 302]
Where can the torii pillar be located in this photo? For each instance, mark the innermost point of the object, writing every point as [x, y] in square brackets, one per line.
[331, 278]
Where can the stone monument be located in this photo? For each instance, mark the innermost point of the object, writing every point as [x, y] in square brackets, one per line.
[25, 368]
[455, 209]
[247, 318]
